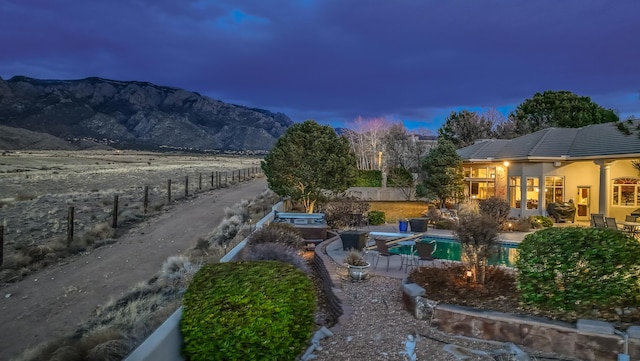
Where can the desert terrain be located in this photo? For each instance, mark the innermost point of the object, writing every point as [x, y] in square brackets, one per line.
[41, 300]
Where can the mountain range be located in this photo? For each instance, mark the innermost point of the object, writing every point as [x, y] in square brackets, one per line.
[128, 114]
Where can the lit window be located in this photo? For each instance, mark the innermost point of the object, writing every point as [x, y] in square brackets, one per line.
[480, 182]
[514, 192]
[626, 192]
[533, 192]
[553, 189]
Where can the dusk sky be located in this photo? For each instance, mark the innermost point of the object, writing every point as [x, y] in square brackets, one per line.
[333, 60]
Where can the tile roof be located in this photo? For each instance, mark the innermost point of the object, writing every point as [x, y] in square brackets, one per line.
[592, 141]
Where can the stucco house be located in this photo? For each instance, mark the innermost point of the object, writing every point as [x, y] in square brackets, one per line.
[591, 166]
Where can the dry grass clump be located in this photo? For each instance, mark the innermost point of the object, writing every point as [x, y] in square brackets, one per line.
[120, 325]
[276, 252]
[282, 233]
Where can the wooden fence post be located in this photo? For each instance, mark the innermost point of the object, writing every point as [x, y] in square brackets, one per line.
[146, 199]
[70, 214]
[114, 223]
[200, 181]
[233, 176]
[186, 186]
[1, 244]
[212, 180]
[169, 191]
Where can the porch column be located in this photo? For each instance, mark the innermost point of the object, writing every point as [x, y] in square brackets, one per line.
[603, 204]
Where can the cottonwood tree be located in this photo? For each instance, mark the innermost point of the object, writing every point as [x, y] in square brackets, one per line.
[442, 177]
[555, 109]
[365, 138]
[308, 161]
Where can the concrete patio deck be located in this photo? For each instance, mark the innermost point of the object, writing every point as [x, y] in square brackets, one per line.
[335, 251]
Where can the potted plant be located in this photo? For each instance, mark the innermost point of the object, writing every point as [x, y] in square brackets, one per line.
[403, 224]
[353, 239]
[358, 267]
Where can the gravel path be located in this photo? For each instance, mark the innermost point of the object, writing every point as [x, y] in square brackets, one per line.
[54, 301]
[379, 326]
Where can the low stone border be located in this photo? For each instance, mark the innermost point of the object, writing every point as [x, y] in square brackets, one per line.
[588, 340]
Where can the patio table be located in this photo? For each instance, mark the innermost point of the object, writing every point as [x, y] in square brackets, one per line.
[632, 229]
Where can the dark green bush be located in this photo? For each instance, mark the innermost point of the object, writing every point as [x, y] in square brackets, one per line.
[260, 310]
[579, 269]
[541, 221]
[399, 177]
[376, 218]
[369, 178]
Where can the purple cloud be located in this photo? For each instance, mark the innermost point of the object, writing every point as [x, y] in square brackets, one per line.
[334, 60]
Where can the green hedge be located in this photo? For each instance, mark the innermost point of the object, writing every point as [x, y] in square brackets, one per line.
[259, 310]
[579, 269]
[376, 218]
[369, 178]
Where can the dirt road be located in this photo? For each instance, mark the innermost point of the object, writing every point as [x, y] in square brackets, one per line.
[54, 301]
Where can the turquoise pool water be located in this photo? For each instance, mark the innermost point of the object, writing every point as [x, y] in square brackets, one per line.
[450, 249]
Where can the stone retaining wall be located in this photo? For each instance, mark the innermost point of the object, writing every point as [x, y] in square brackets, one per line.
[587, 340]
[326, 269]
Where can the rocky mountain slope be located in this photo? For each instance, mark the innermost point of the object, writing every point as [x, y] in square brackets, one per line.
[130, 114]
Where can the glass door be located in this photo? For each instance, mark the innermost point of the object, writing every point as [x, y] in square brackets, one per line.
[583, 203]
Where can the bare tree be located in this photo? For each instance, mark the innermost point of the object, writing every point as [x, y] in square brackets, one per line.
[366, 141]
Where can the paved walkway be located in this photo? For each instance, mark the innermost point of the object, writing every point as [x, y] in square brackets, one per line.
[335, 251]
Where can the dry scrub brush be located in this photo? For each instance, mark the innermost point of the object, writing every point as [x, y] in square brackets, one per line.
[120, 325]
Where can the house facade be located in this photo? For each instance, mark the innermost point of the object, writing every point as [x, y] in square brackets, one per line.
[590, 166]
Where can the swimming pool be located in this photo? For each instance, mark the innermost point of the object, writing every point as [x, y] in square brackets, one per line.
[451, 249]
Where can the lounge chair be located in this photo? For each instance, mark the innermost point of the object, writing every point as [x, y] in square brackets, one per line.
[597, 220]
[425, 251]
[611, 222]
[383, 251]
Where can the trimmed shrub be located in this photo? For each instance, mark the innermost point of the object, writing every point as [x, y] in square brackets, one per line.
[376, 218]
[540, 221]
[368, 178]
[579, 269]
[247, 311]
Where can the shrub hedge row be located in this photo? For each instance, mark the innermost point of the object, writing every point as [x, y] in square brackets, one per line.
[579, 269]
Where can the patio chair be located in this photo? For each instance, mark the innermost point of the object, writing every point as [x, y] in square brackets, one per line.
[383, 251]
[630, 218]
[597, 220]
[425, 251]
[611, 223]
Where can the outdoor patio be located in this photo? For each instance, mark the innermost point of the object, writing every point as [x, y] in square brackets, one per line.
[335, 250]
